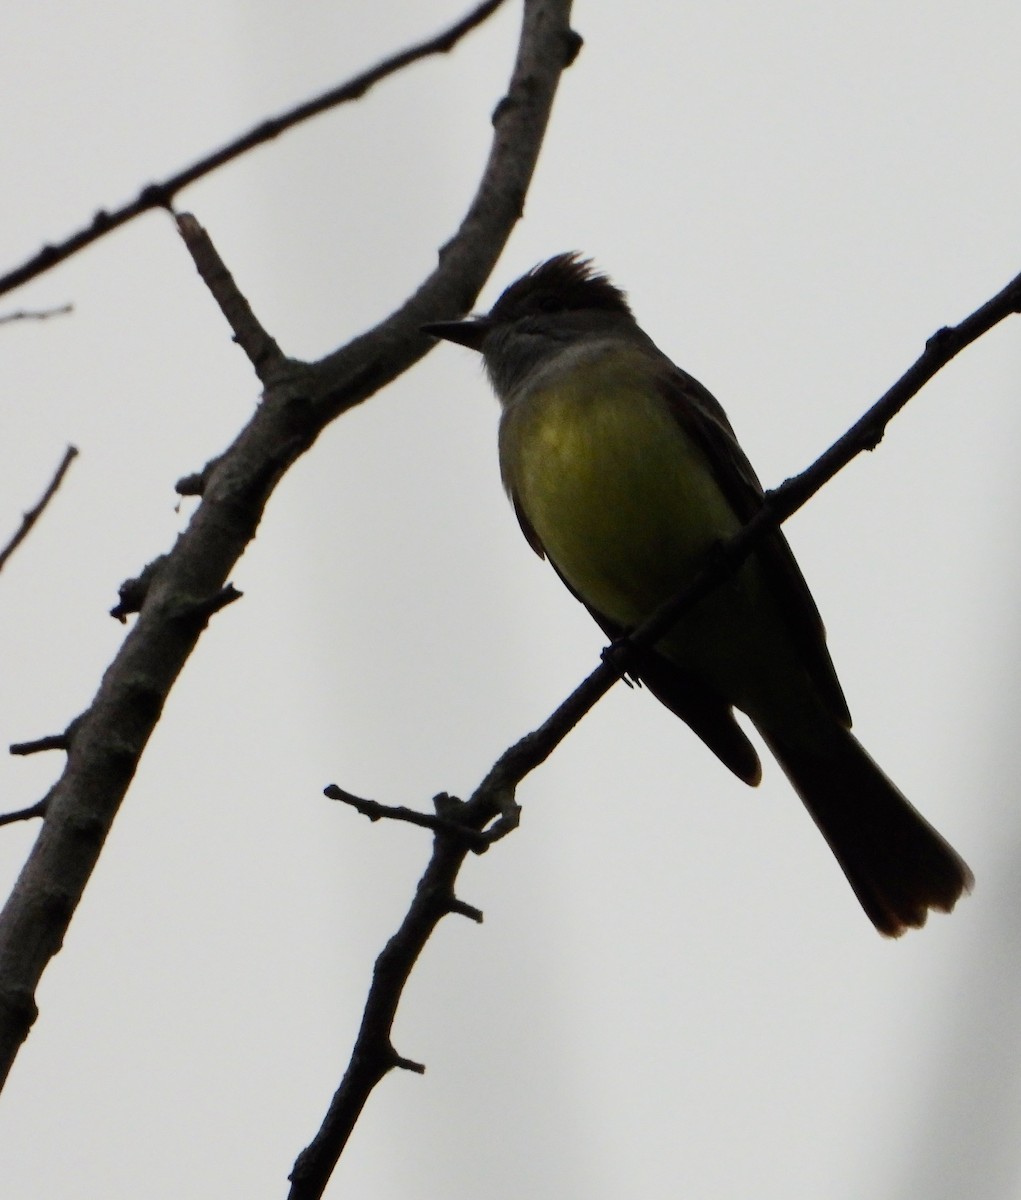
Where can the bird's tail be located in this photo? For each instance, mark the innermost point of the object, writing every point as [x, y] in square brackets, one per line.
[897, 864]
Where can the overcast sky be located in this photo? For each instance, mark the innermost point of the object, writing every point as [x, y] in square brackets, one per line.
[674, 991]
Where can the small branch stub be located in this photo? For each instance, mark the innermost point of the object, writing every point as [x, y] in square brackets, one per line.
[459, 908]
[379, 812]
[199, 611]
[25, 814]
[133, 592]
[53, 741]
[408, 1064]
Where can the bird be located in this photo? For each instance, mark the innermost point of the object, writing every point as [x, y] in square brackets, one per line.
[624, 473]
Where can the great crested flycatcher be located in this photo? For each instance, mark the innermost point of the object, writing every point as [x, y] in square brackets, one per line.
[624, 472]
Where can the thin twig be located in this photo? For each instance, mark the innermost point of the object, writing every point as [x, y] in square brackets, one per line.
[36, 314]
[33, 514]
[161, 195]
[24, 814]
[376, 811]
[52, 741]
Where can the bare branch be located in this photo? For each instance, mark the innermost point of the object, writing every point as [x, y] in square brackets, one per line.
[262, 351]
[112, 733]
[373, 1054]
[378, 812]
[36, 314]
[24, 814]
[161, 195]
[33, 514]
[52, 741]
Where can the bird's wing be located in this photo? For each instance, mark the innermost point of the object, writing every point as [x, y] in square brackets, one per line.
[706, 423]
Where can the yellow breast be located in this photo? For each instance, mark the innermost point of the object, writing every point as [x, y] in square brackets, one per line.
[622, 498]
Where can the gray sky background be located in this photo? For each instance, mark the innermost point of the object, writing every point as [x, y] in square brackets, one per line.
[674, 991]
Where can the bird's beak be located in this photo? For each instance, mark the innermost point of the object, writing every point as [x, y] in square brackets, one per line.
[470, 332]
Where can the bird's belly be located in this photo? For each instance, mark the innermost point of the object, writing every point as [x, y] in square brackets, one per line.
[623, 501]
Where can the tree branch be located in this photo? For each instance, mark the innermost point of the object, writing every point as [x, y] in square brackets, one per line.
[36, 314]
[373, 1054]
[52, 741]
[182, 588]
[411, 816]
[161, 195]
[261, 349]
[33, 514]
[24, 814]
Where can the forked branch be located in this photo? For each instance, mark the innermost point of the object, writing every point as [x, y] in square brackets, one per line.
[180, 590]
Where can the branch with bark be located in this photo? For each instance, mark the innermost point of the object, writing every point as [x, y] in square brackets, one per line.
[178, 592]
